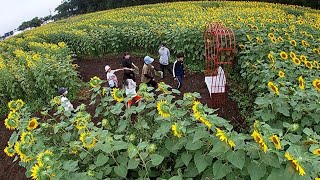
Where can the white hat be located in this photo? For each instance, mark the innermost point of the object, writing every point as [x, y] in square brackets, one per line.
[107, 67]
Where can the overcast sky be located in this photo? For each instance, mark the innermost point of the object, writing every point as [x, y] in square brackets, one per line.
[14, 12]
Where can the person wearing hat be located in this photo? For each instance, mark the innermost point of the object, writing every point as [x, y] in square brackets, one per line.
[148, 72]
[111, 77]
[64, 100]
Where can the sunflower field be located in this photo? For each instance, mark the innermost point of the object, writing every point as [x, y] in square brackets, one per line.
[278, 58]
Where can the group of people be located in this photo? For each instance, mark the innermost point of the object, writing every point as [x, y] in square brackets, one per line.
[147, 75]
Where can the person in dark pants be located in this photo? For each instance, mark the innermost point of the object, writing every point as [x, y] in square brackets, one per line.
[127, 63]
[164, 59]
[178, 70]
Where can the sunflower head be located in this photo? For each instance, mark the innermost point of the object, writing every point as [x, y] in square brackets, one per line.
[163, 108]
[22, 149]
[316, 50]
[41, 172]
[27, 138]
[11, 123]
[273, 88]
[81, 123]
[271, 58]
[45, 158]
[293, 43]
[270, 35]
[280, 39]
[176, 131]
[292, 55]
[281, 74]
[316, 64]
[316, 152]
[56, 101]
[308, 64]
[305, 43]
[301, 83]
[9, 150]
[303, 58]
[15, 105]
[163, 87]
[296, 61]
[241, 46]
[95, 82]
[283, 55]
[87, 139]
[117, 94]
[316, 84]
[276, 141]
[32, 124]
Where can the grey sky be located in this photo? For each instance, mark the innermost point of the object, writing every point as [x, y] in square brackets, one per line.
[14, 12]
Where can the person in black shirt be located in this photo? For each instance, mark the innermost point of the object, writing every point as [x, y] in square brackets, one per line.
[178, 70]
[127, 63]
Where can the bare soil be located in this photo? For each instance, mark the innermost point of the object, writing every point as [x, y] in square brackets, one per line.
[89, 67]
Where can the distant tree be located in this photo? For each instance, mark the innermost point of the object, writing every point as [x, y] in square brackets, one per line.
[35, 22]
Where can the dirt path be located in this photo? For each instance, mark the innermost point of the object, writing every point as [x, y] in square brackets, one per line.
[89, 67]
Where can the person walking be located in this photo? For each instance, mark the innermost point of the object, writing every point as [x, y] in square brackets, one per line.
[178, 70]
[164, 59]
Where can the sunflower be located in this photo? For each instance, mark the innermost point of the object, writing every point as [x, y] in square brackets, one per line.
[163, 108]
[301, 83]
[163, 87]
[270, 35]
[281, 74]
[15, 105]
[273, 87]
[273, 40]
[21, 150]
[11, 124]
[259, 139]
[296, 61]
[283, 55]
[295, 164]
[280, 39]
[56, 101]
[241, 46]
[287, 35]
[26, 138]
[308, 64]
[9, 150]
[197, 109]
[293, 43]
[316, 64]
[87, 140]
[316, 84]
[275, 140]
[259, 40]
[45, 158]
[316, 50]
[292, 55]
[32, 124]
[222, 136]
[117, 94]
[303, 58]
[39, 172]
[175, 130]
[271, 58]
[316, 152]
[204, 121]
[305, 43]
[95, 82]
[81, 123]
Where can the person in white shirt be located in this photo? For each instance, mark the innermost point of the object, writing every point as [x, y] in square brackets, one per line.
[111, 77]
[130, 87]
[64, 100]
[164, 59]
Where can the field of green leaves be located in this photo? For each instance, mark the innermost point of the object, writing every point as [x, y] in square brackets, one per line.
[277, 64]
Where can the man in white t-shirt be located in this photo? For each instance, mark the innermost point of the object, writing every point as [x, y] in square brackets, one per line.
[164, 59]
[64, 100]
